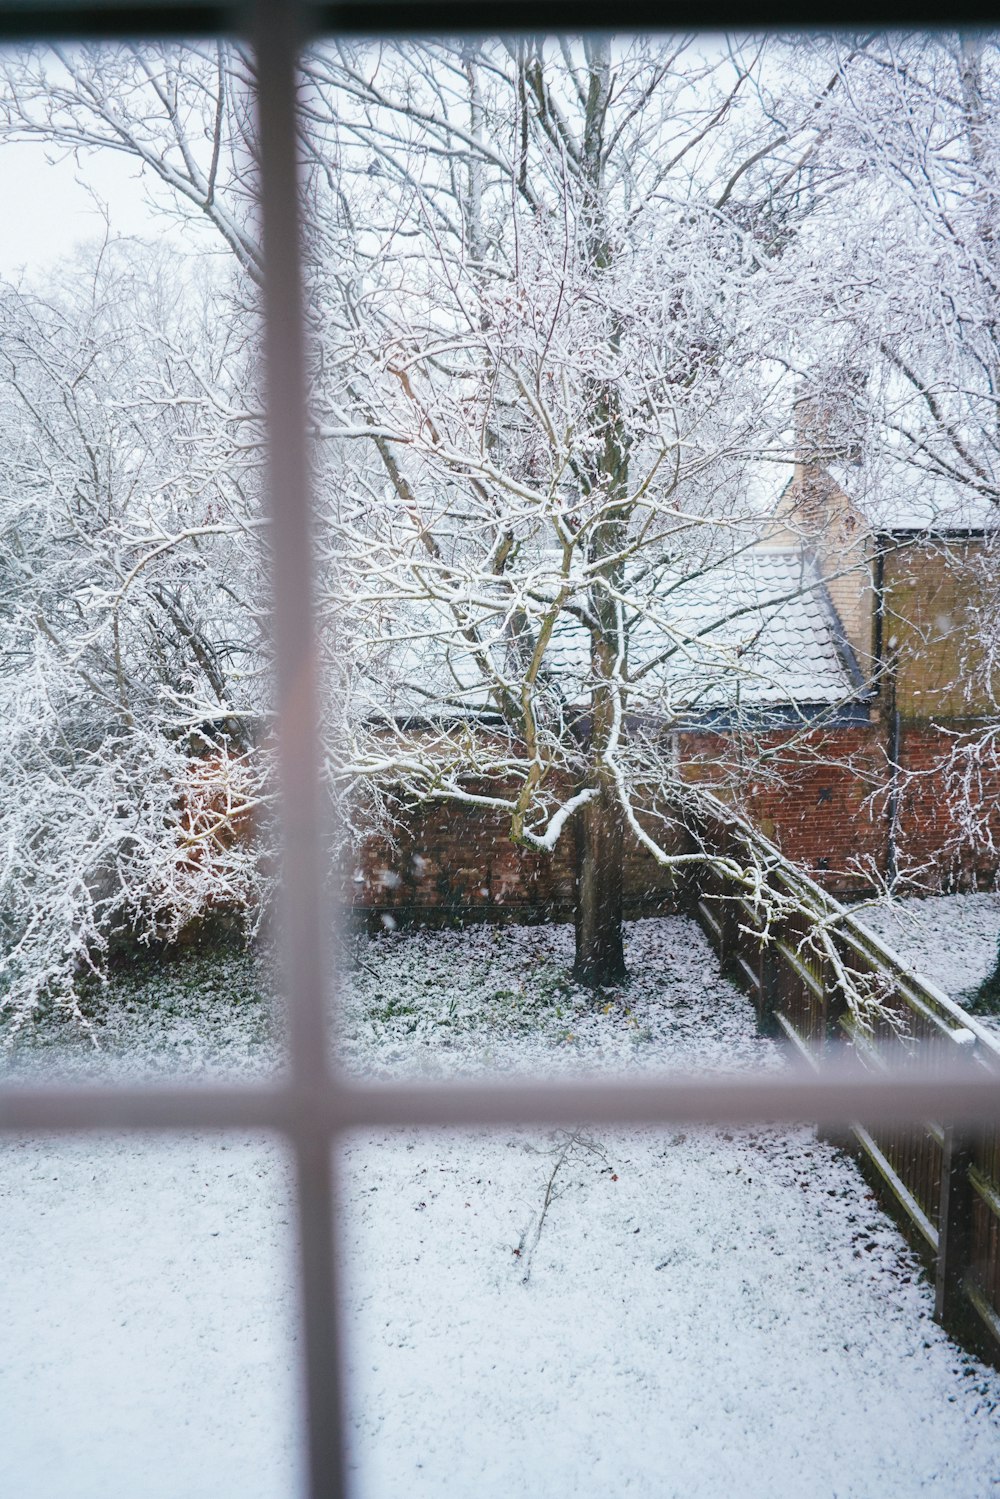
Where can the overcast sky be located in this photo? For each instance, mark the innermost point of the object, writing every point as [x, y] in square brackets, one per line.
[50, 207]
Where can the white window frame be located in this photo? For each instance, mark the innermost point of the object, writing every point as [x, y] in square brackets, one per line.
[310, 1104]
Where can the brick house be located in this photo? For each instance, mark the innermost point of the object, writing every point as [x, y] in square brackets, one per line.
[871, 682]
[910, 572]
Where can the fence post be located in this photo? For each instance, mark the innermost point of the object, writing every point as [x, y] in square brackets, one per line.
[722, 952]
[767, 988]
[834, 1009]
[954, 1256]
[729, 932]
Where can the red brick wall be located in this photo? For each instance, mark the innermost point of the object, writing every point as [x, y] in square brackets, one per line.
[451, 858]
[826, 807]
[817, 806]
[830, 812]
[934, 846]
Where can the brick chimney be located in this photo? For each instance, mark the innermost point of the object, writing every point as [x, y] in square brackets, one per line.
[829, 418]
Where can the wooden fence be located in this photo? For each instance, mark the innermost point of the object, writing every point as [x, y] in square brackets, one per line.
[942, 1185]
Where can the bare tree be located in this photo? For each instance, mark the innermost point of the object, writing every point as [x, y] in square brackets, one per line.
[556, 390]
[913, 307]
[131, 660]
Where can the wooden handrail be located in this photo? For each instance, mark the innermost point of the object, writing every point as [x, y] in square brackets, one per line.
[934, 1180]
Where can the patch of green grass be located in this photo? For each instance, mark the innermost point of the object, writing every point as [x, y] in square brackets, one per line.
[384, 1011]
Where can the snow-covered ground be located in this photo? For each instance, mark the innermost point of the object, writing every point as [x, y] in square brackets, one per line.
[952, 939]
[696, 1313]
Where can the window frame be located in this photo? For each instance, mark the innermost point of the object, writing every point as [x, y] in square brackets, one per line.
[310, 1105]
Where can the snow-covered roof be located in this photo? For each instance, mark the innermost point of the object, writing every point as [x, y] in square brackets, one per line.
[896, 495]
[761, 481]
[752, 632]
[758, 630]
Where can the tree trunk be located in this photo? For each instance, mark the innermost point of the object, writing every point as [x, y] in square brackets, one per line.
[600, 957]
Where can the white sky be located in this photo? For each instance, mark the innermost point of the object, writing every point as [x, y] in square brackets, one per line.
[51, 202]
[50, 207]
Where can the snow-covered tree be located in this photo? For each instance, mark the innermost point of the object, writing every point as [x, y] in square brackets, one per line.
[132, 638]
[549, 372]
[911, 255]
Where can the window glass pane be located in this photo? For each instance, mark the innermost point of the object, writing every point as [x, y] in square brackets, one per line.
[571, 620]
[137, 763]
[654, 1312]
[614, 491]
[148, 1307]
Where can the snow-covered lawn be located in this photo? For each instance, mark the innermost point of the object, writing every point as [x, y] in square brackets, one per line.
[696, 1314]
[950, 938]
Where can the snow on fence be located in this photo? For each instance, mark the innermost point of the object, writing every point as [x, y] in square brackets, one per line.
[943, 1184]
